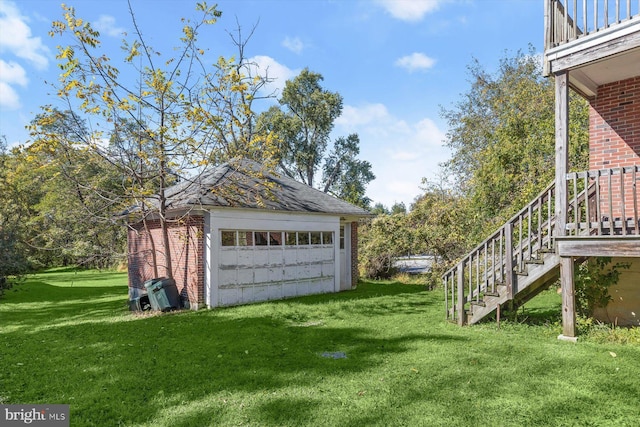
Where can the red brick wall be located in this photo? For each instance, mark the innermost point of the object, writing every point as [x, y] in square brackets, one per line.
[614, 136]
[186, 244]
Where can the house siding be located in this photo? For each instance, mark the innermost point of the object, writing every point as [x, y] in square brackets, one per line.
[355, 275]
[624, 308]
[186, 241]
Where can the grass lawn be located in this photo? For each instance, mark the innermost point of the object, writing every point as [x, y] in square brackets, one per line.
[67, 337]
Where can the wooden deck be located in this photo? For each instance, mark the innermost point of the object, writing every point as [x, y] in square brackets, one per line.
[569, 20]
[578, 34]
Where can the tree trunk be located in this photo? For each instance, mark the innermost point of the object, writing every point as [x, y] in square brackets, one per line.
[154, 255]
[162, 208]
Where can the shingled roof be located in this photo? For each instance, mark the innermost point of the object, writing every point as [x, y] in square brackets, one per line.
[246, 184]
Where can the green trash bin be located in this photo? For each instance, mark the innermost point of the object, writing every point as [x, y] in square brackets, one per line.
[163, 294]
[171, 293]
[155, 293]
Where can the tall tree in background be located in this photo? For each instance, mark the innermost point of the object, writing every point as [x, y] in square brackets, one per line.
[502, 136]
[237, 84]
[303, 124]
[163, 117]
[13, 257]
[344, 175]
[71, 214]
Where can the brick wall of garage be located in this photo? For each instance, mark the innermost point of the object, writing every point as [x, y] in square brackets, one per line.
[186, 240]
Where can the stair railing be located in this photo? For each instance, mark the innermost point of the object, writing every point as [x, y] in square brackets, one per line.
[612, 205]
[600, 202]
[567, 20]
[495, 261]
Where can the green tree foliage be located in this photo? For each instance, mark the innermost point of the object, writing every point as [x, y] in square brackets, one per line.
[13, 256]
[381, 242]
[398, 208]
[442, 223]
[502, 136]
[344, 175]
[68, 196]
[594, 277]
[379, 209]
[302, 125]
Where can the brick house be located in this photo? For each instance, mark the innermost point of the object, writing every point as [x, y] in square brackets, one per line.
[239, 234]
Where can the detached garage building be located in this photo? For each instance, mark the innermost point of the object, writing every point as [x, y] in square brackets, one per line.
[240, 235]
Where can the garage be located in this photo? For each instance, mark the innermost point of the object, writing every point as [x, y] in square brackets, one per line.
[244, 235]
[258, 264]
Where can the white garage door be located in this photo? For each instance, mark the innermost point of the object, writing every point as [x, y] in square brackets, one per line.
[265, 265]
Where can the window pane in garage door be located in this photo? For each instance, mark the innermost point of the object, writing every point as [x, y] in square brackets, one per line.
[275, 238]
[291, 239]
[245, 238]
[303, 238]
[316, 238]
[261, 238]
[228, 238]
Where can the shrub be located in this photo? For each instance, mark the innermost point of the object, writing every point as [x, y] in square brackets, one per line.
[382, 241]
[594, 277]
[13, 263]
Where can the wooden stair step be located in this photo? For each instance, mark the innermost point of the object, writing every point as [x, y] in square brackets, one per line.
[492, 294]
[480, 303]
[522, 273]
[534, 261]
[546, 251]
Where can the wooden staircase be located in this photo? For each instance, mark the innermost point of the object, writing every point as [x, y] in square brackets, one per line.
[519, 260]
[512, 266]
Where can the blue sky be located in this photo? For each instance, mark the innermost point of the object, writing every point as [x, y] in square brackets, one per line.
[395, 62]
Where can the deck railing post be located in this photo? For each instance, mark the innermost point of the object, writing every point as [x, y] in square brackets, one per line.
[568, 297]
[562, 151]
[460, 303]
[446, 296]
[508, 267]
[634, 181]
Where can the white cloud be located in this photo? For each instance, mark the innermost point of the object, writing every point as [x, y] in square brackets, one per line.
[17, 39]
[428, 132]
[358, 116]
[106, 25]
[415, 62]
[295, 45]
[13, 73]
[410, 10]
[9, 98]
[272, 69]
[401, 152]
